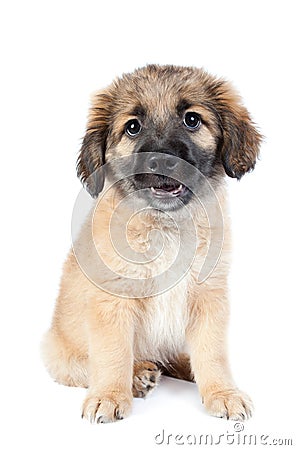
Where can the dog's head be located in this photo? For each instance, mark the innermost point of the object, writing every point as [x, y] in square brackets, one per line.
[162, 116]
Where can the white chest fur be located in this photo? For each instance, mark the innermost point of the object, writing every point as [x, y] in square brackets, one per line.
[161, 332]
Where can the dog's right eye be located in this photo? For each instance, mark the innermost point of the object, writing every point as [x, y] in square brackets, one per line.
[133, 127]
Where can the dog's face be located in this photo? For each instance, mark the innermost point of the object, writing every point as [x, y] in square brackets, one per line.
[152, 126]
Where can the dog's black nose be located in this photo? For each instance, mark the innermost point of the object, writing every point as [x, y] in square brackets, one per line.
[161, 162]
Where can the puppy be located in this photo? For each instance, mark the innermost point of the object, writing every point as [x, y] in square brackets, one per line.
[144, 288]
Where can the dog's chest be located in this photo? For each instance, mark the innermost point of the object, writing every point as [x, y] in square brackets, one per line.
[161, 331]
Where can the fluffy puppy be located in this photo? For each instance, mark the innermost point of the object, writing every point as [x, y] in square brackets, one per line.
[144, 288]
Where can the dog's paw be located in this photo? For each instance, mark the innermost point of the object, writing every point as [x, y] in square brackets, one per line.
[229, 404]
[146, 377]
[106, 408]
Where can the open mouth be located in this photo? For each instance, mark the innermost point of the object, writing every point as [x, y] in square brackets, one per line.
[168, 191]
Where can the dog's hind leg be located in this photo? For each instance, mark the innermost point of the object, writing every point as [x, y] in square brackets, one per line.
[62, 363]
[179, 367]
[145, 378]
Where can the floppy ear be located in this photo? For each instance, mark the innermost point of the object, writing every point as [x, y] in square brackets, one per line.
[92, 153]
[240, 139]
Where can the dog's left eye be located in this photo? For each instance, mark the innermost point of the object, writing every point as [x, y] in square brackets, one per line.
[192, 120]
[133, 127]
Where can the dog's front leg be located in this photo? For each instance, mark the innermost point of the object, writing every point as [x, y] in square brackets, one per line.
[206, 337]
[110, 368]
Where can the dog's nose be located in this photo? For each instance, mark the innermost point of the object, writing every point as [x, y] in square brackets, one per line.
[161, 162]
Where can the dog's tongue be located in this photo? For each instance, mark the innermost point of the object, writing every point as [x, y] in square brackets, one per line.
[167, 190]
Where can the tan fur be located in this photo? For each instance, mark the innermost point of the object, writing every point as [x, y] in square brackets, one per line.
[96, 338]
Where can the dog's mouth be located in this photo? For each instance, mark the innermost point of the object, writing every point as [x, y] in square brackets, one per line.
[168, 191]
[162, 191]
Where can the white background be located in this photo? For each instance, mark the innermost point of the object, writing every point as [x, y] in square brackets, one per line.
[54, 54]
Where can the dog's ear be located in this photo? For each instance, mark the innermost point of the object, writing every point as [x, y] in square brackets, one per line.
[240, 143]
[91, 158]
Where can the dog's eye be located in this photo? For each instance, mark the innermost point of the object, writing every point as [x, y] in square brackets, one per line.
[133, 127]
[192, 120]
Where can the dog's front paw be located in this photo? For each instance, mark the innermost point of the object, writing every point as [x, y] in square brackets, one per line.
[229, 404]
[106, 408]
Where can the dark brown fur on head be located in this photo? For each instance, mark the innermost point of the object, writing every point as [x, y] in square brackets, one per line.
[156, 93]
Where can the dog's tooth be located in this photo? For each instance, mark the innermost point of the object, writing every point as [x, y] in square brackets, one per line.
[179, 188]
